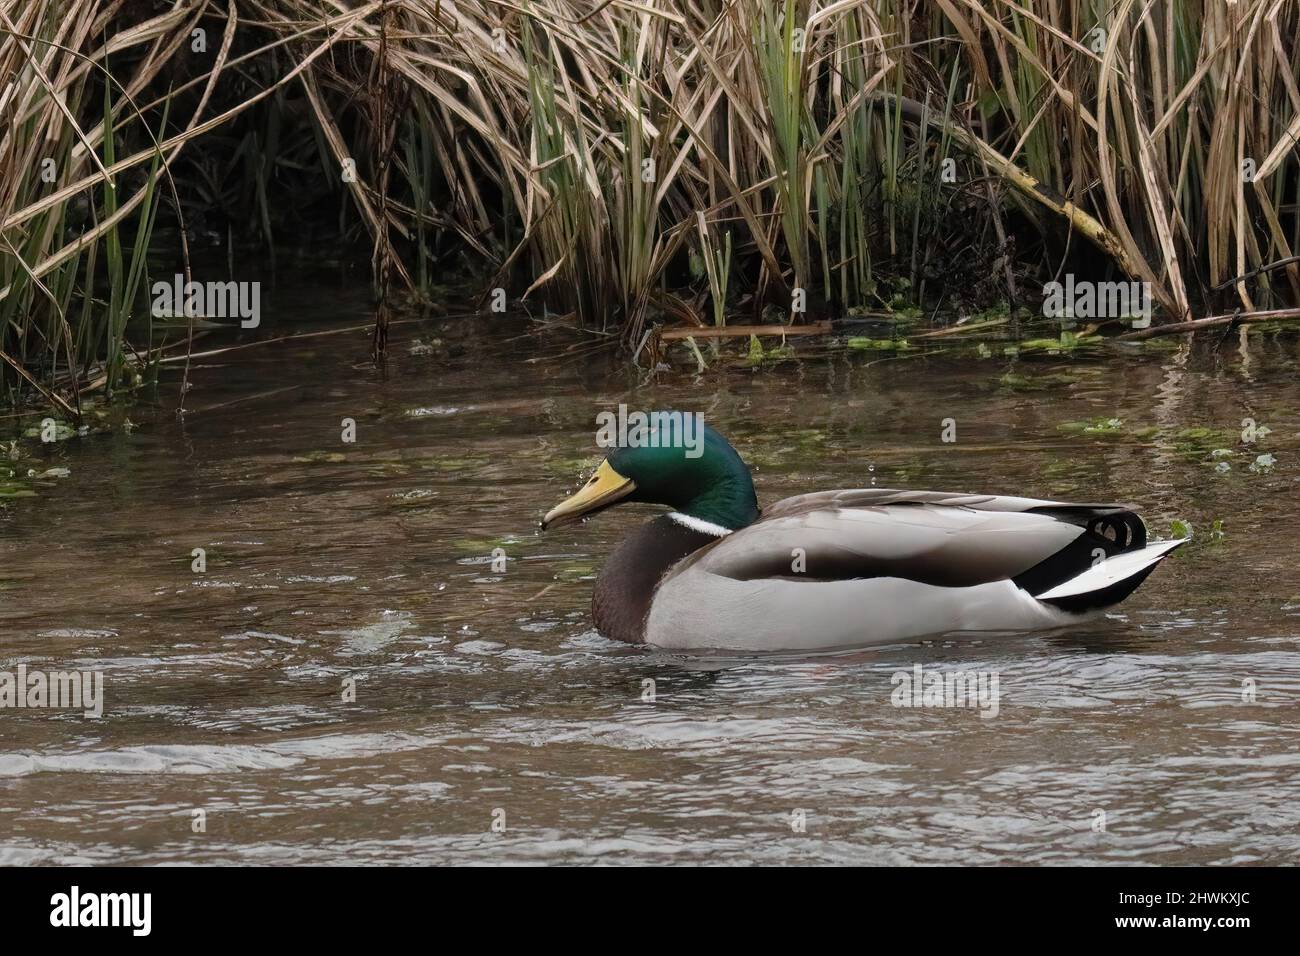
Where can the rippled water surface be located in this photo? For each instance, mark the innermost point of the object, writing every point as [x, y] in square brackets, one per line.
[484, 696]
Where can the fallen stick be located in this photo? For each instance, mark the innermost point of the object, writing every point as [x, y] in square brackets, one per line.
[1290, 260]
[1213, 321]
[48, 395]
[737, 331]
[957, 329]
[248, 345]
[309, 335]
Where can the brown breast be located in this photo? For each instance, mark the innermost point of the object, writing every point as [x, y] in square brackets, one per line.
[628, 580]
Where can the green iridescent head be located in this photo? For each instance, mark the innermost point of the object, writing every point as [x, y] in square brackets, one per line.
[691, 469]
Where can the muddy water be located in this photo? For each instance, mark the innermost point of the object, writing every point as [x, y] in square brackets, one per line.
[484, 696]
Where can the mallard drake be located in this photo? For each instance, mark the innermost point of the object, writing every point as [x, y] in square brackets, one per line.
[844, 568]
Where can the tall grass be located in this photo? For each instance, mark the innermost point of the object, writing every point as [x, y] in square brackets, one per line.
[582, 155]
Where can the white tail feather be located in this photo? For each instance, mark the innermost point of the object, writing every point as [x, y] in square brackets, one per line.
[1112, 571]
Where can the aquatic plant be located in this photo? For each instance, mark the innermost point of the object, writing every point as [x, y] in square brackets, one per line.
[806, 156]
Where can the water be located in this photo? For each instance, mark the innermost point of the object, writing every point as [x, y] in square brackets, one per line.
[485, 697]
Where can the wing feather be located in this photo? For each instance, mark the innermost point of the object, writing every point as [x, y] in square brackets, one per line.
[938, 538]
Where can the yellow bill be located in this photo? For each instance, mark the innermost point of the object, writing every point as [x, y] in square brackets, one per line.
[604, 488]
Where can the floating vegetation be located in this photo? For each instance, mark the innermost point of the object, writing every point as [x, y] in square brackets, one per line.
[1199, 443]
[10, 488]
[1035, 383]
[864, 343]
[1094, 426]
[1180, 528]
[1202, 435]
[54, 431]
[19, 476]
[758, 355]
[1067, 342]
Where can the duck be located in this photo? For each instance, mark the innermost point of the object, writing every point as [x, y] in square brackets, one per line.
[845, 568]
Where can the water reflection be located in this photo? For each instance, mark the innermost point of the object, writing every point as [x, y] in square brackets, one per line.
[368, 565]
